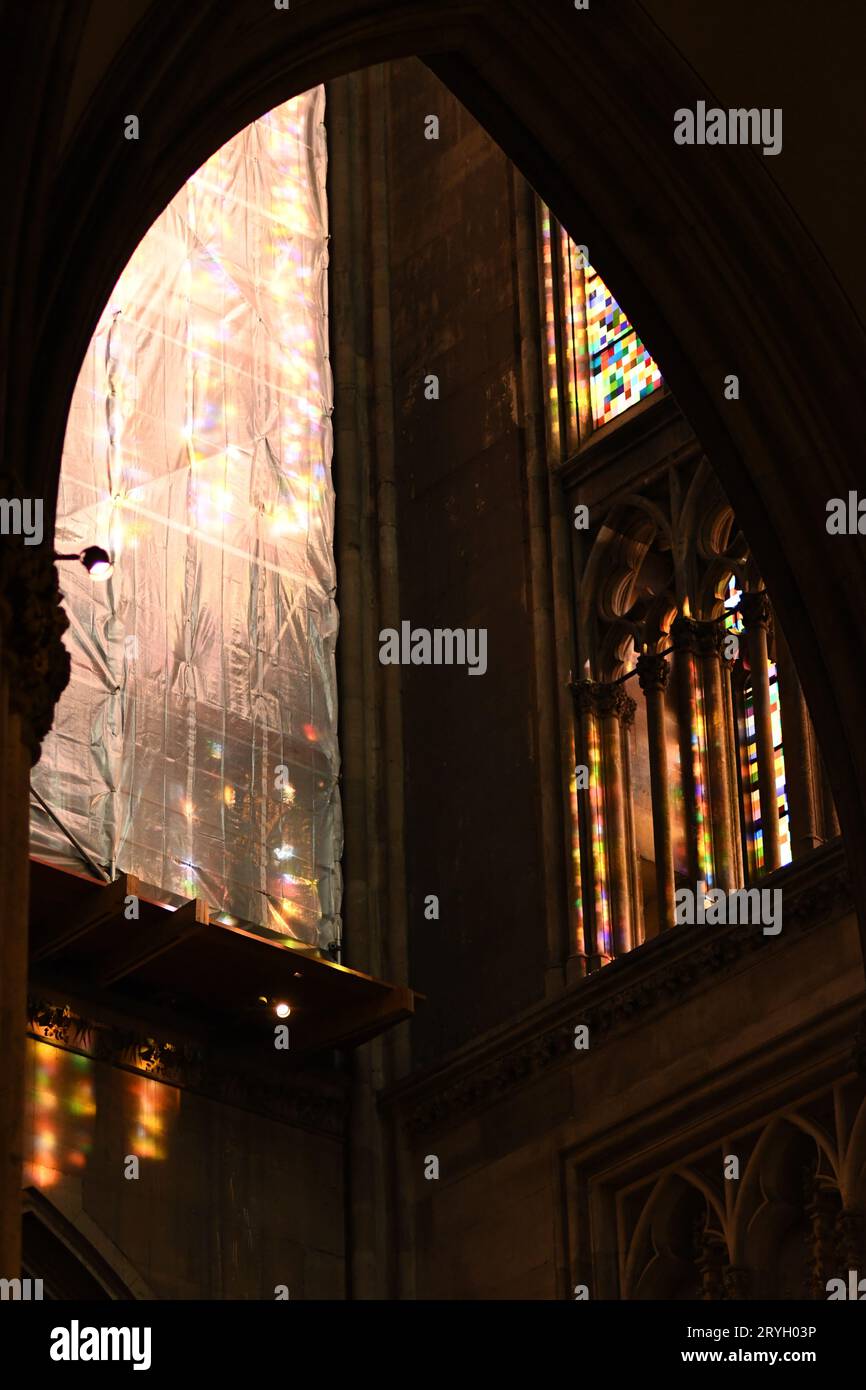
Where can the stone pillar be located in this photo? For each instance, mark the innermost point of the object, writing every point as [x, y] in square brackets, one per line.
[653, 672]
[755, 611]
[684, 639]
[712, 1256]
[616, 712]
[801, 765]
[821, 1209]
[830, 821]
[34, 668]
[850, 1243]
[554, 807]
[725, 859]
[590, 810]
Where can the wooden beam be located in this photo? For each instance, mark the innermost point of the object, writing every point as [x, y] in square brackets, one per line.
[143, 942]
[357, 1024]
[99, 907]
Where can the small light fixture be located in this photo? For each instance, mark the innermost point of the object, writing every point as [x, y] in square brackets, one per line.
[282, 1010]
[95, 560]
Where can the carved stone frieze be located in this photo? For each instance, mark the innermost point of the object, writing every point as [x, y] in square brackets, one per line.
[190, 1066]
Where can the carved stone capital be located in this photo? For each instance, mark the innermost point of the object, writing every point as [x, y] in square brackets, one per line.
[584, 697]
[32, 622]
[755, 610]
[604, 698]
[710, 637]
[613, 702]
[652, 671]
[685, 635]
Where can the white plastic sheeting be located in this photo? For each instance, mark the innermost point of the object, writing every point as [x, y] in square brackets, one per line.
[196, 745]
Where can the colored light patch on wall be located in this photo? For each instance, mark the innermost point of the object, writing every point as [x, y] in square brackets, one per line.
[577, 878]
[60, 1111]
[150, 1107]
[551, 356]
[604, 938]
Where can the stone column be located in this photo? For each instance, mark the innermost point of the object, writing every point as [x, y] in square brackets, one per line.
[755, 610]
[710, 1262]
[616, 712]
[850, 1242]
[684, 639]
[34, 668]
[801, 768]
[554, 808]
[821, 1209]
[653, 672]
[725, 859]
[829, 819]
[590, 809]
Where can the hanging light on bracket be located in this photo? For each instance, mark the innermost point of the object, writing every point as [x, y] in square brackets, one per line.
[95, 560]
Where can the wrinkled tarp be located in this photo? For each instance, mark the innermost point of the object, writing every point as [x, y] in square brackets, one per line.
[196, 745]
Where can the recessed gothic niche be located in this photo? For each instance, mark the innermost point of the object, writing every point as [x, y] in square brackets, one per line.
[395, 390]
[785, 1218]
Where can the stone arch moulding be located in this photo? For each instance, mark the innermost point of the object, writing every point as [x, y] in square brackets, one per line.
[65, 1247]
[699, 245]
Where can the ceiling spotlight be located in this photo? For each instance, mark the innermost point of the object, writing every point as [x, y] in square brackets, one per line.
[95, 560]
[282, 1010]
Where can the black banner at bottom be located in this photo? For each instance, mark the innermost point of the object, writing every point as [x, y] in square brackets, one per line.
[67, 1340]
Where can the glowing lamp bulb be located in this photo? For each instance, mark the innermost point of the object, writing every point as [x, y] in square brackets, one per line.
[97, 562]
[282, 1010]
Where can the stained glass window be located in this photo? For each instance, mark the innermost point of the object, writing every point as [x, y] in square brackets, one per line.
[622, 372]
[734, 623]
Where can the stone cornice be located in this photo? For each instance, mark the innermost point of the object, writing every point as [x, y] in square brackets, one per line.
[294, 1099]
[660, 972]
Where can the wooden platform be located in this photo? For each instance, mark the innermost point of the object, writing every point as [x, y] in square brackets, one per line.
[179, 963]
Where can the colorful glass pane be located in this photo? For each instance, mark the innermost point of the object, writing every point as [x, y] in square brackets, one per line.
[622, 372]
[734, 623]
